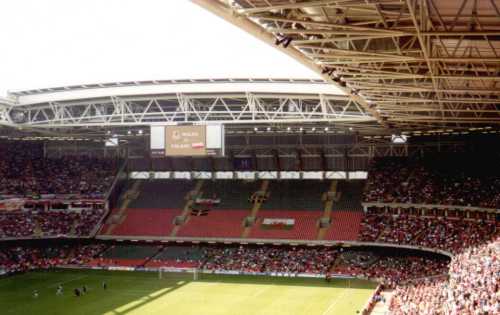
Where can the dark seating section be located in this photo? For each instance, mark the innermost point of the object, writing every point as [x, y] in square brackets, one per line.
[162, 194]
[296, 195]
[180, 252]
[234, 194]
[350, 195]
[130, 252]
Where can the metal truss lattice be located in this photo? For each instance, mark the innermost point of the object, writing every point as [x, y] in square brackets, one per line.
[414, 64]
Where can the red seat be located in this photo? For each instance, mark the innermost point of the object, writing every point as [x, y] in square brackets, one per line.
[218, 223]
[305, 227]
[345, 226]
[147, 222]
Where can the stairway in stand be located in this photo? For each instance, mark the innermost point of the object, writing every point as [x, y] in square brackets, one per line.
[119, 217]
[190, 199]
[37, 230]
[256, 207]
[327, 211]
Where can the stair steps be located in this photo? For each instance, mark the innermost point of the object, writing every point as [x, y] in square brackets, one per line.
[327, 210]
[186, 211]
[255, 208]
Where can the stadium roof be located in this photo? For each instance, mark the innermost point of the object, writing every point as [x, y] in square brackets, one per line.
[391, 66]
[411, 64]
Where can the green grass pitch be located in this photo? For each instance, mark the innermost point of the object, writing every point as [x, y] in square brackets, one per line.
[135, 293]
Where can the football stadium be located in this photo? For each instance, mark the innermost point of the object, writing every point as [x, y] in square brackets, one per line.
[368, 185]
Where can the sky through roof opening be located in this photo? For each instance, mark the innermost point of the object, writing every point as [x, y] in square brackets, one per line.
[57, 42]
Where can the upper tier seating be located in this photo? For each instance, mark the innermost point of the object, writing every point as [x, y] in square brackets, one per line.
[25, 172]
[217, 223]
[351, 195]
[147, 222]
[457, 180]
[305, 228]
[295, 195]
[344, 226]
[233, 194]
[162, 194]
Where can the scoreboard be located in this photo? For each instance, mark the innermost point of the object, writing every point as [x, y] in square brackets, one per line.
[188, 140]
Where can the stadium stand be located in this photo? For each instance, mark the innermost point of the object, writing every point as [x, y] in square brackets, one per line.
[161, 194]
[49, 223]
[125, 255]
[178, 257]
[350, 195]
[233, 194]
[438, 180]
[24, 171]
[216, 223]
[449, 234]
[472, 287]
[305, 225]
[345, 225]
[269, 259]
[295, 195]
[147, 222]
[390, 268]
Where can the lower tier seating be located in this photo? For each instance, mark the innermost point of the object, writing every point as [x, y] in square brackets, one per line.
[147, 222]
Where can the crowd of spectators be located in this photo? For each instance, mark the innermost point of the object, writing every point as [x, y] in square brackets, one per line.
[16, 224]
[24, 171]
[444, 233]
[389, 270]
[472, 288]
[456, 180]
[24, 258]
[266, 259]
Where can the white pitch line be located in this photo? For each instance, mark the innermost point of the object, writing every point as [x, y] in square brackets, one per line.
[334, 302]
